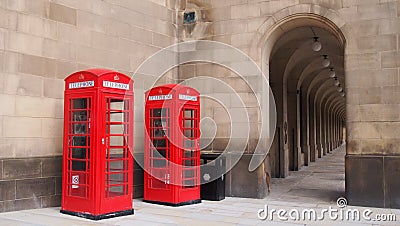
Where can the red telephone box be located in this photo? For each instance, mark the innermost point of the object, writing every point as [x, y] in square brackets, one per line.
[98, 141]
[172, 154]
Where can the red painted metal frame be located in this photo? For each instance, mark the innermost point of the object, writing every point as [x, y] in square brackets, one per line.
[94, 196]
[174, 180]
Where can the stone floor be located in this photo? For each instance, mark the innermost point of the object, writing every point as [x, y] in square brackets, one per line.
[314, 187]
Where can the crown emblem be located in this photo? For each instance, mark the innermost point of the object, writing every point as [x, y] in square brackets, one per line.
[81, 77]
[116, 78]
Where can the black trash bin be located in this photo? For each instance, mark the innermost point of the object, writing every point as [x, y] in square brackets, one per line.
[212, 190]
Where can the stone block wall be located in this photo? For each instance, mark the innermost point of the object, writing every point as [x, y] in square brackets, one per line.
[373, 83]
[41, 43]
[28, 183]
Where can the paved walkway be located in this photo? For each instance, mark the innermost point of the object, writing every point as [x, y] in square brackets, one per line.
[317, 186]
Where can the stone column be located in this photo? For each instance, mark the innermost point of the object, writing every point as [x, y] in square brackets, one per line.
[312, 133]
[330, 137]
[328, 132]
[292, 130]
[334, 131]
[338, 131]
[323, 131]
[319, 139]
[305, 131]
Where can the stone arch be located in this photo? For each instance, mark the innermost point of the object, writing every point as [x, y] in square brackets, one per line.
[267, 37]
[296, 16]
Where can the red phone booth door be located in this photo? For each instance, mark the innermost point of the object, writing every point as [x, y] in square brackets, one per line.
[190, 153]
[159, 162]
[79, 146]
[117, 142]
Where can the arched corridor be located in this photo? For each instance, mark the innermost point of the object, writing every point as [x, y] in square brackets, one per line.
[309, 90]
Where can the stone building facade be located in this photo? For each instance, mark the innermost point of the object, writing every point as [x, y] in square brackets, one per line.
[43, 41]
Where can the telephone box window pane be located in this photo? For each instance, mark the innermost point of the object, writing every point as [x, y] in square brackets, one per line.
[80, 103]
[189, 162]
[158, 133]
[79, 128]
[161, 153]
[116, 191]
[115, 153]
[159, 112]
[188, 123]
[189, 173]
[79, 165]
[117, 178]
[117, 117]
[113, 166]
[80, 141]
[79, 153]
[189, 143]
[188, 183]
[189, 113]
[117, 104]
[159, 163]
[160, 124]
[116, 129]
[159, 143]
[80, 116]
[116, 141]
[189, 133]
[188, 154]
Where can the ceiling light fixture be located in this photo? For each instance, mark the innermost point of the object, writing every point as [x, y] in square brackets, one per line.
[337, 83]
[316, 46]
[332, 73]
[326, 62]
[339, 89]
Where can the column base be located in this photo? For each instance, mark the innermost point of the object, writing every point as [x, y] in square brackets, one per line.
[372, 181]
[307, 155]
[242, 183]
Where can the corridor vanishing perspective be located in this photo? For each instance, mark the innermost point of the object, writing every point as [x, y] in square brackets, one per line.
[306, 70]
[322, 182]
